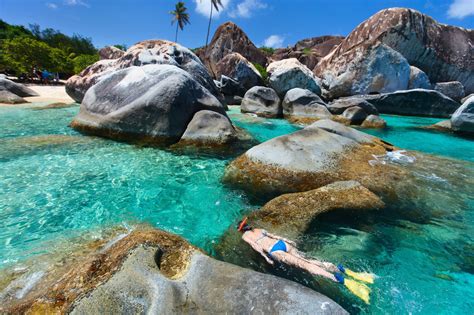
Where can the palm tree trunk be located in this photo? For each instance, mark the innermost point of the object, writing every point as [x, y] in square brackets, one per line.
[176, 37]
[209, 26]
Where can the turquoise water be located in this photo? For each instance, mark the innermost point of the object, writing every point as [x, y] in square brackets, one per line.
[56, 184]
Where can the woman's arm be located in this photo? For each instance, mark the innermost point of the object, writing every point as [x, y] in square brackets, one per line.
[260, 250]
[280, 238]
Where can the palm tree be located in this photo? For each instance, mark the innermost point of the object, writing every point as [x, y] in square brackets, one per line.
[180, 17]
[215, 4]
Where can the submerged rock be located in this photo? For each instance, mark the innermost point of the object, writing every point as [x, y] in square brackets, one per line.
[444, 125]
[289, 74]
[152, 103]
[462, 120]
[418, 79]
[7, 97]
[261, 101]
[454, 89]
[234, 65]
[156, 272]
[110, 52]
[16, 88]
[374, 121]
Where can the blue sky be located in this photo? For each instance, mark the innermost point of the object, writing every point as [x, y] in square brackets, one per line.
[274, 22]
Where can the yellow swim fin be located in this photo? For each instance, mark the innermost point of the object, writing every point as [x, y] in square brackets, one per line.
[361, 276]
[358, 289]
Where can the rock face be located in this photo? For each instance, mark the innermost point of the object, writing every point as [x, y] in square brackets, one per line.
[418, 79]
[376, 69]
[417, 102]
[234, 65]
[261, 101]
[154, 272]
[142, 53]
[304, 207]
[110, 52]
[289, 74]
[440, 50]
[16, 88]
[152, 103]
[320, 154]
[304, 103]
[229, 38]
[453, 89]
[340, 105]
[309, 51]
[7, 97]
[463, 119]
[374, 121]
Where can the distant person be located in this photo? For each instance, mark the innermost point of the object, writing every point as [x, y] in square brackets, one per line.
[276, 248]
[45, 76]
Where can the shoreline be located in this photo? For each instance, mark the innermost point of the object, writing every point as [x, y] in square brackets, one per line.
[47, 94]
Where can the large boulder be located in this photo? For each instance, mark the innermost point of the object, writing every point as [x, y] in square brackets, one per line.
[143, 53]
[417, 102]
[454, 89]
[320, 154]
[152, 103]
[440, 50]
[304, 103]
[418, 79]
[230, 87]
[154, 272]
[374, 121]
[288, 74]
[261, 101]
[463, 119]
[229, 38]
[110, 52]
[355, 115]
[234, 65]
[376, 69]
[342, 104]
[16, 88]
[7, 97]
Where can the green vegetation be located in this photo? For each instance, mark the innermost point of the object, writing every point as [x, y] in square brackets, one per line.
[180, 16]
[306, 51]
[267, 50]
[263, 71]
[22, 49]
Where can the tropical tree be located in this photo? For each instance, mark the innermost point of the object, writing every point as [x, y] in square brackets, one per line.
[180, 17]
[215, 4]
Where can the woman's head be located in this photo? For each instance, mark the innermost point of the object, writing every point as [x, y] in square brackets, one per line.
[243, 226]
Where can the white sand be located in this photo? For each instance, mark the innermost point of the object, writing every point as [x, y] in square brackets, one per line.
[49, 93]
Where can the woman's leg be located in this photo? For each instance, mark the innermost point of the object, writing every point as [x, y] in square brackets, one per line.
[299, 262]
[325, 265]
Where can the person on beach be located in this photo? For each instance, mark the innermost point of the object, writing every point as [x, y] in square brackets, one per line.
[275, 248]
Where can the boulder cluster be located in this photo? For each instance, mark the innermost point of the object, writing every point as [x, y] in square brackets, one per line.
[14, 93]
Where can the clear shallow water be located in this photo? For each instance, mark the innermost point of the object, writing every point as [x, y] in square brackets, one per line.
[56, 184]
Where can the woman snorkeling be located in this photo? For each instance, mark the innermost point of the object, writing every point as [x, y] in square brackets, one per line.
[276, 248]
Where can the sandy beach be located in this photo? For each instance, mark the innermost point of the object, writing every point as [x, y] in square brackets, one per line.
[47, 94]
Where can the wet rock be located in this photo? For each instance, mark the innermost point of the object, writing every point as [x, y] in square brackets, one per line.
[152, 103]
[454, 89]
[143, 53]
[439, 50]
[229, 38]
[110, 52]
[342, 104]
[462, 120]
[355, 115]
[304, 103]
[444, 125]
[374, 121]
[16, 88]
[7, 97]
[234, 65]
[262, 101]
[303, 207]
[289, 74]
[312, 158]
[377, 69]
[418, 79]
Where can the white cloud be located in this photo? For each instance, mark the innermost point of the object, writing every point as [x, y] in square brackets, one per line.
[76, 3]
[203, 7]
[51, 5]
[274, 41]
[246, 8]
[459, 9]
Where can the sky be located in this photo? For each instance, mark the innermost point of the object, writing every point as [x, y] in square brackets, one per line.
[272, 23]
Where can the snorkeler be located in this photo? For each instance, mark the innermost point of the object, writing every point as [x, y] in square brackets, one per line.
[276, 248]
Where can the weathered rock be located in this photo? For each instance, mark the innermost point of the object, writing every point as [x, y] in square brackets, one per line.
[3, 76]
[341, 104]
[16, 88]
[261, 101]
[312, 158]
[355, 115]
[209, 128]
[418, 79]
[289, 74]
[465, 98]
[304, 103]
[152, 103]
[416, 102]
[151, 271]
[110, 52]
[303, 207]
[7, 97]
[453, 89]
[229, 38]
[377, 69]
[234, 65]
[374, 121]
[440, 50]
[463, 119]
[444, 125]
[230, 87]
[140, 54]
